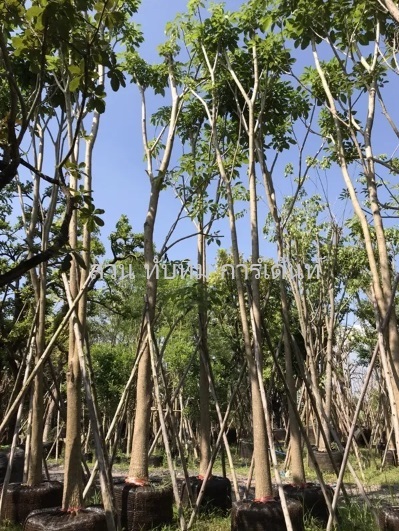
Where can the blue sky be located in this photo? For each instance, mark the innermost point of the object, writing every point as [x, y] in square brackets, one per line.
[121, 184]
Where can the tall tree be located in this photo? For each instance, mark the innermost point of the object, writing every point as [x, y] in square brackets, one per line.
[349, 86]
[148, 77]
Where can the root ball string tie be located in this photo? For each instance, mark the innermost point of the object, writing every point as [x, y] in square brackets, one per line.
[74, 510]
[265, 499]
[137, 482]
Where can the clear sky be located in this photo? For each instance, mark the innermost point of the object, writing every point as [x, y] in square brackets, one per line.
[121, 184]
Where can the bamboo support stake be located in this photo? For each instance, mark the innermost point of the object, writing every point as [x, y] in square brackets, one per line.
[385, 362]
[303, 430]
[347, 424]
[175, 395]
[16, 431]
[250, 475]
[105, 480]
[21, 374]
[319, 416]
[379, 347]
[169, 410]
[122, 402]
[12, 409]
[223, 421]
[269, 429]
[351, 434]
[218, 441]
[182, 521]
[386, 448]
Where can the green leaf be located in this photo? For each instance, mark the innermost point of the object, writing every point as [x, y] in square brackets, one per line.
[66, 263]
[34, 11]
[74, 84]
[79, 259]
[98, 221]
[99, 105]
[115, 84]
[75, 69]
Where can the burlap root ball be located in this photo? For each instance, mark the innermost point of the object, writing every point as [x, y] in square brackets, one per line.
[142, 508]
[324, 461]
[22, 499]
[217, 494]
[17, 470]
[89, 519]
[312, 499]
[388, 518]
[265, 516]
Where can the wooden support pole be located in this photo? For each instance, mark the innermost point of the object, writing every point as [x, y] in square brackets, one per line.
[7, 476]
[105, 478]
[13, 408]
[182, 521]
[221, 436]
[121, 405]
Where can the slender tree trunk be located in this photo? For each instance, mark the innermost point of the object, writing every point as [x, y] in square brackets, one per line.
[263, 484]
[138, 469]
[36, 454]
[262, 474]
[73, 478]
[205, 420]
[329, 372]
[261, 443]
[297, 467]
[380, 272]
[385, 267]
[48, 424]
[34, 470]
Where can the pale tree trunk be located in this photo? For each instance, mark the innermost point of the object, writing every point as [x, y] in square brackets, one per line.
[263, 487]
[329, 372]
[36, 441]
[205, 420]
[255, 150]
[380, 272]
[385, 267]
[297, 467]
[73, 478]
[263, 483]
[49, 420]
[260, 434]
[138, 469]
[392, 8]
[39, 281]
[203, 231]
[311, 349]
[311, 346]
[329, 327]
[262, 475]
